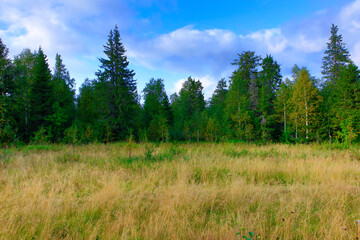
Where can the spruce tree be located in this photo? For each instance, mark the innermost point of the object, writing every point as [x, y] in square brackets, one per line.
[336, 56]
[42, 95]
[119, 87]
[64, 105]
[269, 82]
[242, 98]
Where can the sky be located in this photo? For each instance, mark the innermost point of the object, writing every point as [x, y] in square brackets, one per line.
[173, 39]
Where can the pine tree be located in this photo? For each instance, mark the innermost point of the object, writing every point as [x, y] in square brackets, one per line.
[119, 87]
[42, 95]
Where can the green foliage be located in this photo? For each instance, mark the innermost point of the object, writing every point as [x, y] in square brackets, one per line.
[149, 150]
[305, 101]
[7, 135]
[117, 87]
[336, 56]
[157, 113]
[71, 135]
[247, 235]
[255, 106]
[187, 109]
[242, 99]
[348, 132]
[42, 136]
[64, 106]
[42, 95]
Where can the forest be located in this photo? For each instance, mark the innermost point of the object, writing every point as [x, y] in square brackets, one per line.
[256, 104]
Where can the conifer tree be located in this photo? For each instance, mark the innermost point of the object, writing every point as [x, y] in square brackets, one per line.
[119, 87]
[64, 105]
[269, 81]
[42, 95]
[336, 56]
[241, 101]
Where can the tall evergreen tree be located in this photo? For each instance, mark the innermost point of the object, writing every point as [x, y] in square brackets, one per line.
[242, 99]
[42, 95]
[269, 82]
[119, 87]
[64, 105]
[336, 56]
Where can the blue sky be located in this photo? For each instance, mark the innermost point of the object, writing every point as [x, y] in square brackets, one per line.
[173, 39]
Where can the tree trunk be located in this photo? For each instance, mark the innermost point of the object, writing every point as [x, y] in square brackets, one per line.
[284, 118]
[198, 135]
[306, 115]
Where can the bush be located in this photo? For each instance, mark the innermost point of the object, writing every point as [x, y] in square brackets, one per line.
[71, 135]
[7, 135]
[41, 137]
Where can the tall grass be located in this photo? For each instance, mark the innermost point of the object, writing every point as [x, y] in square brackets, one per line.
[183, 191]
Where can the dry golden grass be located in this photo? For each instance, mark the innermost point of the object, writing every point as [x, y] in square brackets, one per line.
[186, 191]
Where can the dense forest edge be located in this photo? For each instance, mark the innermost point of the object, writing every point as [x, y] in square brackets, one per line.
[256, 104]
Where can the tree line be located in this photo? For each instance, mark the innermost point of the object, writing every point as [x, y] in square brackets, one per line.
[255, 104]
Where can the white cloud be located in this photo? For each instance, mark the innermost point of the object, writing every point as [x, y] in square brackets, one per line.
[273, 39]
[208, 82]
[350, 16]
[210, 52]
[178, 85]
[75, 29]
[349, 19]
[182, 49]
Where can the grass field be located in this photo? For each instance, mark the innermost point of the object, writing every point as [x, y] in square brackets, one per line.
[184, 191]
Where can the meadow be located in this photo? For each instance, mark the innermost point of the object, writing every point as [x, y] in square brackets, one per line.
[179, 191]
